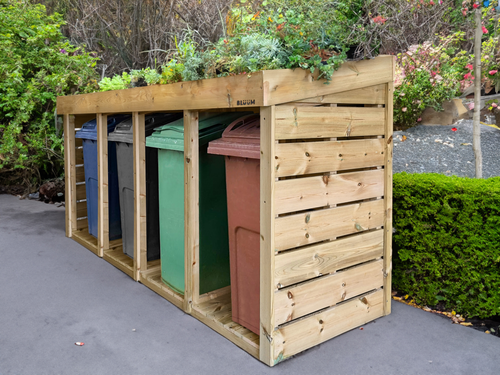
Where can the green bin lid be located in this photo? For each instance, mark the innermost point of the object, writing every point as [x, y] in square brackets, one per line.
[211, 125]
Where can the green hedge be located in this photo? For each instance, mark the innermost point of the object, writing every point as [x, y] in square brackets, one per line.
[447, 242]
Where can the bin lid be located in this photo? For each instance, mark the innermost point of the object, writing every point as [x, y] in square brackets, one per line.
[241, 139]
[89, 129]
[125, 133]
[211, 125]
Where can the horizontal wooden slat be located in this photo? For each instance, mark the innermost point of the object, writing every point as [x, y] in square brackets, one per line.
[311, 192]
[79, 155]
[367, 95]
[82, 224]
[315, 226]
[297, 301]
[80, 174]
[225, 92]
[82, 119]
[294, 122]
[293, 85]
[303, 334]
[80, 192]
[312, 261]
[319, 157]
[81, 209]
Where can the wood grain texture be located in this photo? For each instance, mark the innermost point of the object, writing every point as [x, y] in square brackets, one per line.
[367, 95]
[315, 226]
[294, 122]
[318, 328]
[81, 209]
[291, 85]
[297, 301]
[140, 230]
[80, 191]
[294, 159]
[319, 191]
[102, 185]
[223, 92]
[120, 260]
[388, 202]
[191, 210]
[267, 219]
[316, 260]
[70, 173]
[152, 279]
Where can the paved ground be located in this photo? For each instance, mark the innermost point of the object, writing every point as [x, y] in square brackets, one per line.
[54, 292]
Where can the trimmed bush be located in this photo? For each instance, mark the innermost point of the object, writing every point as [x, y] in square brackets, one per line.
[447, 242]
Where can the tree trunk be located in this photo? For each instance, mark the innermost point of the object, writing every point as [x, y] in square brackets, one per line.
[476, 139]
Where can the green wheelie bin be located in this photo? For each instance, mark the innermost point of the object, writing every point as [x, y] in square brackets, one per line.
[214, 248]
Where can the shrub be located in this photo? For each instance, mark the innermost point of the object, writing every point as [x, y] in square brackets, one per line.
[446, 245]
[36, 65]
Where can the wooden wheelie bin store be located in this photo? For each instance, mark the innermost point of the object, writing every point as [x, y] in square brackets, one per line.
[325, 197]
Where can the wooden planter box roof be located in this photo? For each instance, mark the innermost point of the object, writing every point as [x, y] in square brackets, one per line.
[260, 89]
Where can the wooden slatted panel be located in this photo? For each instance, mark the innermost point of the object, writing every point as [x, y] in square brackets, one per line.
[293, 122]
[315, 226]
[80, 174]
[303, 334]
[80, 192]
[79, 155]
[297, 301]
[82, 224]
[312, 261]
[81, 209]
[78, 141]
[319, 191]
[70, 174]
[319, 157]
[367, 95]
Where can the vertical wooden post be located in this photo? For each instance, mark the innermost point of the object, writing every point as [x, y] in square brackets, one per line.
[70, 173]
[388, 200]
[267, 219]
[191, 210]
[140, 235]
[102, 182]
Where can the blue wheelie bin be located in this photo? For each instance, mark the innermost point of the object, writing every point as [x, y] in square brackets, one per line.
[88, 134]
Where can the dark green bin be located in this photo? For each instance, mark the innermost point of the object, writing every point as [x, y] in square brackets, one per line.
[214, 248]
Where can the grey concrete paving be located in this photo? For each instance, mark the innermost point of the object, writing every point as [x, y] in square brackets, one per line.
[54, 292]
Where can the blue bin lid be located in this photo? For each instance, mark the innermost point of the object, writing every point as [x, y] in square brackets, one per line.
[211, 125]
[89, 129]
[125, 133]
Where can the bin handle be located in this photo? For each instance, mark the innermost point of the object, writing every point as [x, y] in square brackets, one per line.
[242, 120]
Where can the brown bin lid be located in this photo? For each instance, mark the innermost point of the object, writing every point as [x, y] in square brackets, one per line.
[241, 138]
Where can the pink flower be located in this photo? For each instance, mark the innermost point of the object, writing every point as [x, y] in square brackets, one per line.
[494, 105]
[469, 66]
[467, 76]
[471, 106]
[485, 30]
[419, 119]
[404, 109]
[475, 5]
[493, 72]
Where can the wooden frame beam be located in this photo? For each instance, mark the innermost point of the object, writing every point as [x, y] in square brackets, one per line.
[267, 219]
[70, 173]
[102, 182]
[191, 210]
[140, 232]
[388, 200]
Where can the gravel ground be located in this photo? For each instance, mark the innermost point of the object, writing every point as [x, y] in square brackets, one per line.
[438, 149]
